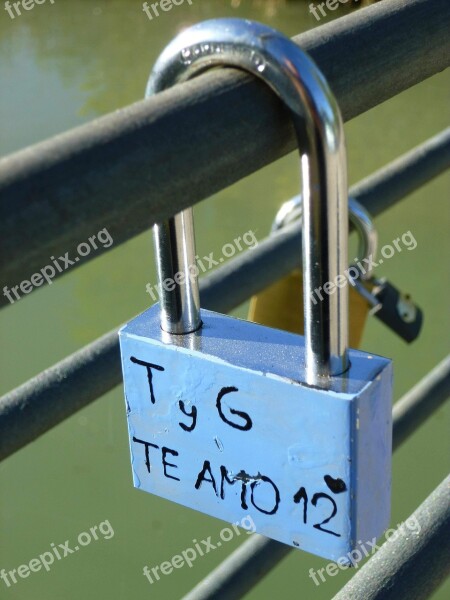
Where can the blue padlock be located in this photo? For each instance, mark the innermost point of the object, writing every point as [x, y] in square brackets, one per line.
[235, 419]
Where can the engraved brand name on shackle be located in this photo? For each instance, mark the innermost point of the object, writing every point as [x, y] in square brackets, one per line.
[190, 53]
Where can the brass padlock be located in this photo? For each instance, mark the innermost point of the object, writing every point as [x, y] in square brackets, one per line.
[277, 305]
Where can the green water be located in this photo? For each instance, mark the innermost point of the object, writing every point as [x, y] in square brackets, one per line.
[62, 65]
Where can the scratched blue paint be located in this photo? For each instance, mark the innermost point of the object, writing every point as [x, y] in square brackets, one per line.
[311, 467]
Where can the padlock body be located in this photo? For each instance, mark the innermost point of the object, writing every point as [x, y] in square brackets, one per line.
[220, 421]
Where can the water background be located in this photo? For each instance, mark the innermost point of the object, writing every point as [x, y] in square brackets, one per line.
[63, 65]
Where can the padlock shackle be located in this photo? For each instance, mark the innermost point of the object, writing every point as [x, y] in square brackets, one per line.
[316, 117]
[292, 211]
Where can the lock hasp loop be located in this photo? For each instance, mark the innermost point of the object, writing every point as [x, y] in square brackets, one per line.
[316, 117]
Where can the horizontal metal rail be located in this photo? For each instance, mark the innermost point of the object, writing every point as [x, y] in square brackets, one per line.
[234, 283]
[254, 559]
[148, 161]
[409, 566]
[420, 402]
[58, 392]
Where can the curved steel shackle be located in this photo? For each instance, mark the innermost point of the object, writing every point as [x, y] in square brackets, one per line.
[291, 211]
[294, 77]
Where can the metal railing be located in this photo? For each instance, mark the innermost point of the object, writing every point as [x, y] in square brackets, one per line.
[128, 160]
[116, 161]
[95, 369]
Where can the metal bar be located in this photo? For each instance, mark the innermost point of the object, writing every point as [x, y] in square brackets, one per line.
[409, 566]
[247, 565]
[128, 163]
[278, 255]
[412, 409]
[95, 369]
[230, 580]
[55, 394]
